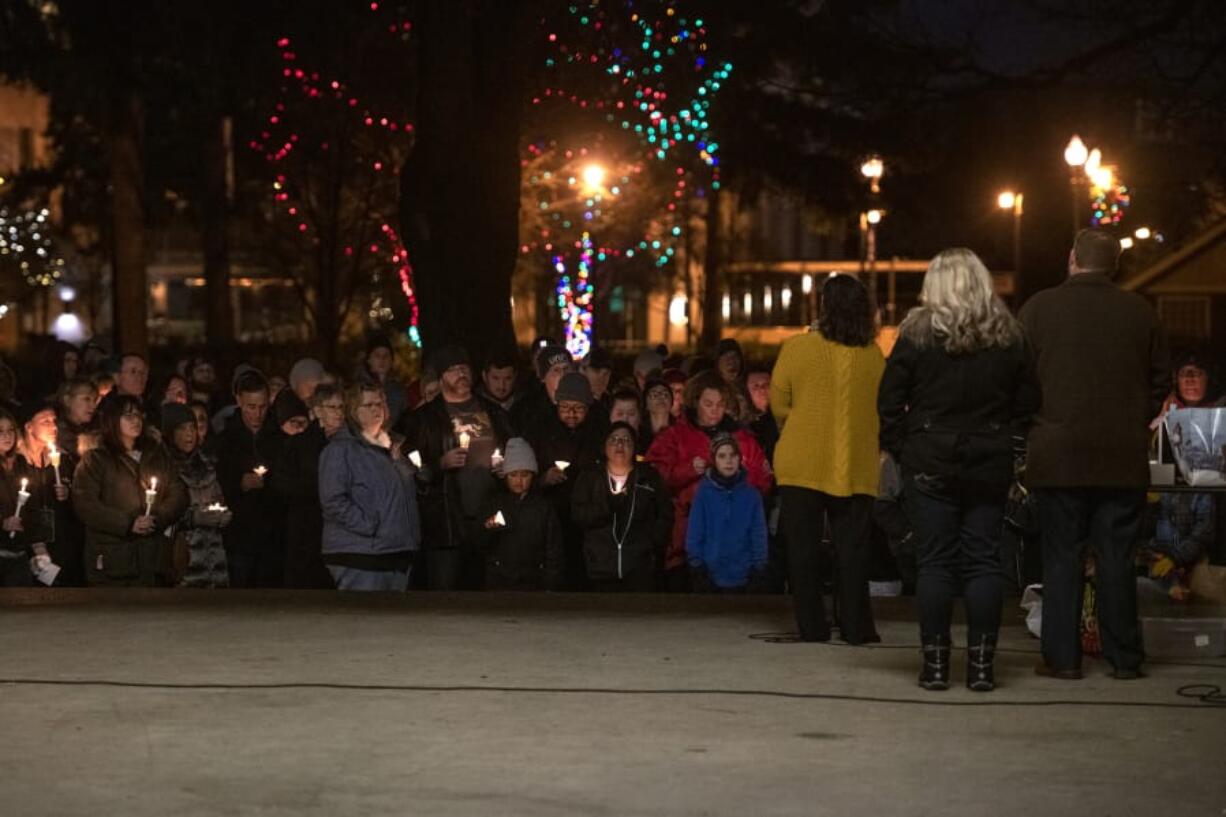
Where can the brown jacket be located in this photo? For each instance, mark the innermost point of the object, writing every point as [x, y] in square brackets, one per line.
[1101, 358]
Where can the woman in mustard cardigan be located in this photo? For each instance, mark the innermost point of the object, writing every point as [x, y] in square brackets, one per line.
[824, 395]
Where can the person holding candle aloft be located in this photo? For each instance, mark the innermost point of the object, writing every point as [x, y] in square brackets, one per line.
[125, 533]
[522, 537]
[456, 479]
[15, 551]
[50, 479]
[247, 447]
[568, 442]
[200, 553]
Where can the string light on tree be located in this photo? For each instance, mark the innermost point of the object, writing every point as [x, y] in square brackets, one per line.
[27, 246]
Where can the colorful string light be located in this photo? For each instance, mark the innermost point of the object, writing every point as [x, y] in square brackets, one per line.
[575, 299]
[648, 84]
[384, 142]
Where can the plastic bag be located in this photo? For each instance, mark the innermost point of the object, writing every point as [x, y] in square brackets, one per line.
[1198, 440]
[1032, 603]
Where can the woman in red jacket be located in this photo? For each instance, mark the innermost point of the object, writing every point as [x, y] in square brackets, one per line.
[681, 455]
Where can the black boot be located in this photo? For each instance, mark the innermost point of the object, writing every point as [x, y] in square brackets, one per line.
[979, 657]
[935, 675]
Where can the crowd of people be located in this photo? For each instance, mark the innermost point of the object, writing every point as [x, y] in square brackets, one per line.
[699, 473]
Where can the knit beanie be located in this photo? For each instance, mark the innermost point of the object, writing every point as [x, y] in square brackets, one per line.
[574, 387]
[722, 439]
[287, 406]
[308, 368]
[519, 457]
[173, 416]
[447, 356]
[549, 356]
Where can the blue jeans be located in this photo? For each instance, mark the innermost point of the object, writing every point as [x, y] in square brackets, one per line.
[387, 581]
[1106, 519]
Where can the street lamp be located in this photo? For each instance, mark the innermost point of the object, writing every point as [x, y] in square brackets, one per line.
[872, 169]
[593, 176]
[1075, 156]
[1143, 233]
[1010, 200]
[1126, 243]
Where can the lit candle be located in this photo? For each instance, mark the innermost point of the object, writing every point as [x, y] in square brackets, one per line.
[22, 497]
[496, 458]
[217, 506]
[562, 465]
[150, 495]
[53, 456]
[465, 439]
[259, 471]
[415, 458]
[500, 520]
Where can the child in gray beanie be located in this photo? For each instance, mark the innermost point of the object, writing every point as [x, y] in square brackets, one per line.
[522, 537]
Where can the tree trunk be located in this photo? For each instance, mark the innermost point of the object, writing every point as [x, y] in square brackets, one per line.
[461, 185]
[713, 270]
[214, 237]
[129, 279]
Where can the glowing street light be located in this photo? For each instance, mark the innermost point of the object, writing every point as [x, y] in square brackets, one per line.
[594, 175]
[1013, 201]
[1006, 200]
[1126, 243]
[1142, 233]
[873, 169]
[873, 216]
[1075, 153]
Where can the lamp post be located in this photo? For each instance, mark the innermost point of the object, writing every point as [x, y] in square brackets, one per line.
[872, 169]
[1011, 200]
[1075, 156]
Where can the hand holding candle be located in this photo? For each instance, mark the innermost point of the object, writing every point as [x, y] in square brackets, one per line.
[500, 520]
[23, 496]
[150, 495]
[53, 456]
[415, 458]
[465, 439]
[259, 471]
[561, 465]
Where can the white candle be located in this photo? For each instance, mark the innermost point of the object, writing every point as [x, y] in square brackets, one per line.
[465, 439]
[22, 497]
[415, 458]
[500, 520]
[53, 456]
[150, 495]
[260, 471]
[496, 458]
[562, 465]
[216, 506]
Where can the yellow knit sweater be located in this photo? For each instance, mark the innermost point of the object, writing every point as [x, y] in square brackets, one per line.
[824, 396]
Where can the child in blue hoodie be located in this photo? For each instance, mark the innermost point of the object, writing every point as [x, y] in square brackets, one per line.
[726, 540]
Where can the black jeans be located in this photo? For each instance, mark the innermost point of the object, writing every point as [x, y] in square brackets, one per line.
[801, 518]
[957, 526]
[1106, 519]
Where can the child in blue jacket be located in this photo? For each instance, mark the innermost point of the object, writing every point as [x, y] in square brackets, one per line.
[726, 540]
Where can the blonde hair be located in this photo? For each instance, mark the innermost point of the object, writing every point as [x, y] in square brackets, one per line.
[959, 308]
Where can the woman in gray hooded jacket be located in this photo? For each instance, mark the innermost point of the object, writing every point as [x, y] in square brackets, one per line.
[369, 498]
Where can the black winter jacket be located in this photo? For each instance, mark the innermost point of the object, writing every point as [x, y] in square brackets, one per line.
[527, 554]
[963, 416]
[640, 518]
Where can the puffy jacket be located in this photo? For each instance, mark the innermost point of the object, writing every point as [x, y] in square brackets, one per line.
[640, 518]
[527, 554]
[369, 500]
[108, 493]
[673, 452]
[727, 530]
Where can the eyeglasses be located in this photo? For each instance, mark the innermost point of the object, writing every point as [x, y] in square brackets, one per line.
[621, 442]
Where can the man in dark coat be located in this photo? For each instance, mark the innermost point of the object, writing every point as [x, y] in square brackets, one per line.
[246, 449]
[1101, 358]
[456, 435]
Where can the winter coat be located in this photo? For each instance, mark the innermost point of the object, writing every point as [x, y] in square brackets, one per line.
[369, 500]
[625, 535]
[673, 452]
[527, 554]
[295, 480]
[108, 492]
[200, 530]
[1101, 357]
[32, 521]
[442, 509]
[58, 526]
[257, 526]
[824, 395]
[961, 416]
[727, 530]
